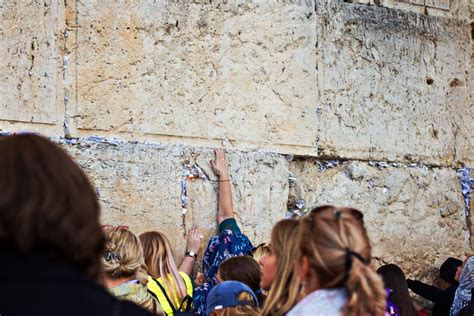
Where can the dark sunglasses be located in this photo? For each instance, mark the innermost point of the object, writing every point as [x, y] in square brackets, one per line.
[108, 226]
[252, 252]
[331, 212]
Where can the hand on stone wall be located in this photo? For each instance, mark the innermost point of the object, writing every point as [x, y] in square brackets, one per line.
[220, 165]
[194, 239]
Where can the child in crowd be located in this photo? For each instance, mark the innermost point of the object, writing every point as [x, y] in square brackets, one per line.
[122, 260]
[173, 288]
[51, 242]
[333, 273]
[394, 279]
[232, 298]
[463, 297]
[229, 243]
[277, 268]
[443, 296]
[243, 269]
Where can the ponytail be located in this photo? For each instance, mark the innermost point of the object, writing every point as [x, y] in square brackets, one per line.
[340, 255]
[365, 291]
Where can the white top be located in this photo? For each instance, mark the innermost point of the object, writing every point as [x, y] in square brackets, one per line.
[321, 302]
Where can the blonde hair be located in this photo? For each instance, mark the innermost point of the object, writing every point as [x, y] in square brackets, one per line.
[249, 310]
[160, 263]
[123, 253]
[258, 252]
[142, 275]
[281, 297]
[338, 251]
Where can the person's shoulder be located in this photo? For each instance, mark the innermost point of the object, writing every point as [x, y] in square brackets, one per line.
[325, 302]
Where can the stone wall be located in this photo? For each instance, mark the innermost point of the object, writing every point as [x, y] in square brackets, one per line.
[362, 103]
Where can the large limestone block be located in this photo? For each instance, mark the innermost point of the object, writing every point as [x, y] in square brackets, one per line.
[454, 9]
[28, 61]
[393, 85]
[236, 70]
[415, 216]
[140, 185]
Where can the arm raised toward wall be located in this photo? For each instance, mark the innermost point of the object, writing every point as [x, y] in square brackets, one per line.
[221, 169]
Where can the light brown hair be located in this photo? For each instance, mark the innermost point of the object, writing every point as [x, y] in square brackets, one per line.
[48, 203]
[282, 297]
[123, 254]
[160, 263]
[338, 250]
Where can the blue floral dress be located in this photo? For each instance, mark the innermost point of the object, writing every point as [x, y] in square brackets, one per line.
[229, 243]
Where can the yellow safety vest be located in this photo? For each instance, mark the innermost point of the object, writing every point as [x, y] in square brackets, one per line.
[156, 286]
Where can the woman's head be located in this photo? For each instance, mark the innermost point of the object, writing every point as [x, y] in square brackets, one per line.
[277, 267]
[334, 252]
[47, 203]
[394, 278]
[160, 262]
[123, 253]
[447, 271]
[231, 298]
[243, 310]
[157, 253]
[242, 269]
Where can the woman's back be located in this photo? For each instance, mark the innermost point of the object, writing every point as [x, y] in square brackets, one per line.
[39, 283]
[169, 300]
[174, 291]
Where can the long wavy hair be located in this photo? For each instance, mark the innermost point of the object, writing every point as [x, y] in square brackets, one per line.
[160, 263]
[338, 250]
[281, 297]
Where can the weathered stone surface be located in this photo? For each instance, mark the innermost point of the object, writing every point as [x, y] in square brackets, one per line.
[414, 215]
[324, 78]
[396, 90]
[242, 71]
[28, 61]
[315, 78]
[139, 185]
[453, 9]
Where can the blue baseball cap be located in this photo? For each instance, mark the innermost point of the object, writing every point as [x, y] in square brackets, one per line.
[226, 294]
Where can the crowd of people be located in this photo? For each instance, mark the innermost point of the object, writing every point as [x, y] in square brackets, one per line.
[57, 259]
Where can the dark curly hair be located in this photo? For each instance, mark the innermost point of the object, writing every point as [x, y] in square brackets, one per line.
[48, 204]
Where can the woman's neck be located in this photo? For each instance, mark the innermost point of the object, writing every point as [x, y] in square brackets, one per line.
[311, 283]
[110, 283]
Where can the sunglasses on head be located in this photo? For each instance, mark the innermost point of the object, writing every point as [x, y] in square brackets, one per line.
[108, 226]
[335, 213]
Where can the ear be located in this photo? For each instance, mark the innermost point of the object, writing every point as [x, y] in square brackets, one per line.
[304, 270]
